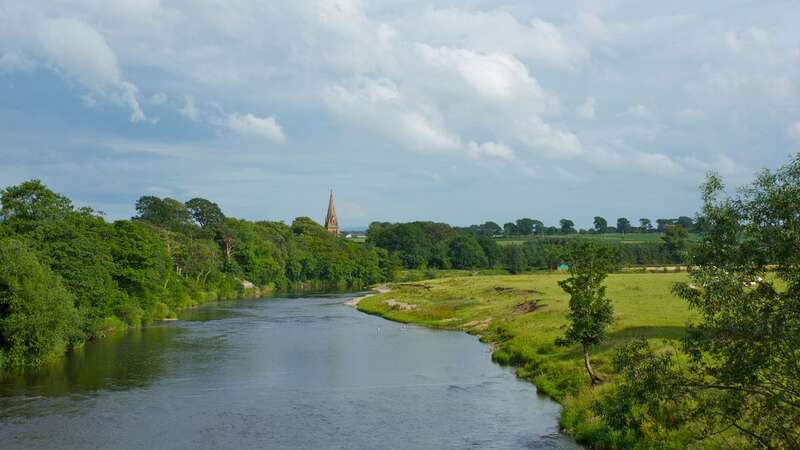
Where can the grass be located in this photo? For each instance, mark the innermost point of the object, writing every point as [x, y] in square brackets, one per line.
[522, 315]
[624, 238]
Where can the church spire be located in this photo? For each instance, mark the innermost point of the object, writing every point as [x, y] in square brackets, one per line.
[331, 221]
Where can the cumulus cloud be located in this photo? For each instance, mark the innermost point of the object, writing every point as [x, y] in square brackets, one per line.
[77, 50]
[494, 75]
[378, 105]
[248, 124]
[499, 32]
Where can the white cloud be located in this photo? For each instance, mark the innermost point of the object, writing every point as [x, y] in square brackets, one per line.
[493, 75]
[80, 52]
[189, 109]
[378, 105]
[586, 110]
[489, 150]
[498, 32]
[266, 127]
[548, 140]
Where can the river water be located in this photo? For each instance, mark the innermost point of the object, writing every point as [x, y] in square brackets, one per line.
[301, 373]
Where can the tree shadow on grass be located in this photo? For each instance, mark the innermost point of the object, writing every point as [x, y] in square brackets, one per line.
[619, 337]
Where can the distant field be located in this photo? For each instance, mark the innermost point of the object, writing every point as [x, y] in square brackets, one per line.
[629, 238]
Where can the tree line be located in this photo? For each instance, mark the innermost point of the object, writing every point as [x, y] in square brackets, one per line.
[533, 227]
[67, 275]
[430, 245]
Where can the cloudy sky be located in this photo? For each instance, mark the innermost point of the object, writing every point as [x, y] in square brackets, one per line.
[459, 111]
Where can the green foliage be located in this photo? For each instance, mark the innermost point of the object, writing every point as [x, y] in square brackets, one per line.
[166, 212]
[32, 201]
[204, 212]
[590, 311]
[464, 252]
[744, 352]
[131, 272]
[676, 242]
[38, 319]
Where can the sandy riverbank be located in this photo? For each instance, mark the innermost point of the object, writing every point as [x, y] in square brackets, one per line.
[381, 289]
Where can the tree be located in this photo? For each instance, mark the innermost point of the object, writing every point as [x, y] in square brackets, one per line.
[510, 229]
[676, 241]
[538, 227]
[38, 319]
[744, 358]
[32, 201]
[205, 212]
[491, 228]
[685, 222]
[167, 212]
[464, 252]
[514, 259]
[567, 226]
[645, 226]
[623, 225]
[590, 311]
[600, 224]
[662, 224]
[525, 226]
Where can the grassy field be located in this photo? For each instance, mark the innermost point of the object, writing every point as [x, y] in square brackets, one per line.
[628, 238]
[522, 315]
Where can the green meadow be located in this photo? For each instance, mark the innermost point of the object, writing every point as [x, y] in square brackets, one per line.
[521, 316]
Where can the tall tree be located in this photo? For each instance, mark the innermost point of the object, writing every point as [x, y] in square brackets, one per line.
[205, 212]
[686, 222]
[567, 226]
[525, 226]
[490, 228]
[590, 311]
[600, 224]
[645, 225]
[623, 225]
[510, 229]
[32, 201]
[676, 242]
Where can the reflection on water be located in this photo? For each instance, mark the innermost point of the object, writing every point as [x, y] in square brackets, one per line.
[284, 373]
[117, 362]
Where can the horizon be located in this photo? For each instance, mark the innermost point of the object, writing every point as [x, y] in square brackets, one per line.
[449, 112]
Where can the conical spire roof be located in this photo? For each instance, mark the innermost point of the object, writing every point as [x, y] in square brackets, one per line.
[331, 221]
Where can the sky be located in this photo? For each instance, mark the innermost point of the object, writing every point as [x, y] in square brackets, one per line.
[456, 111]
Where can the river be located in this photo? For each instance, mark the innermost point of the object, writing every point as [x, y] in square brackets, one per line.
[299, 373]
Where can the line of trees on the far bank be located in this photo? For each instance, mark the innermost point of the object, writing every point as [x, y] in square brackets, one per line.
[67, 275]
[533, 227]
[430, 245]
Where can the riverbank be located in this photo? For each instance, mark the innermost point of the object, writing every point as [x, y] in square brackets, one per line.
[521, 317]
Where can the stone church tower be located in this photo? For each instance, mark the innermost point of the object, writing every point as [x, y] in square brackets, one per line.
[331, 221]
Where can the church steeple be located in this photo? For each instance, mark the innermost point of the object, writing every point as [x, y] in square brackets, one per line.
[331, 221]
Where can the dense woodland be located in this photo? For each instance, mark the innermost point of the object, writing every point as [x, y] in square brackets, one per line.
[68, 275]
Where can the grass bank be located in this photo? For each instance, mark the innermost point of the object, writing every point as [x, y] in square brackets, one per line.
[522, 315]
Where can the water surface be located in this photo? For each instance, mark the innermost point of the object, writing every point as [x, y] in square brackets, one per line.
[302, 373]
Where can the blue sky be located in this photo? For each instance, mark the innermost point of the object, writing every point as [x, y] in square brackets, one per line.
[456, 111]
